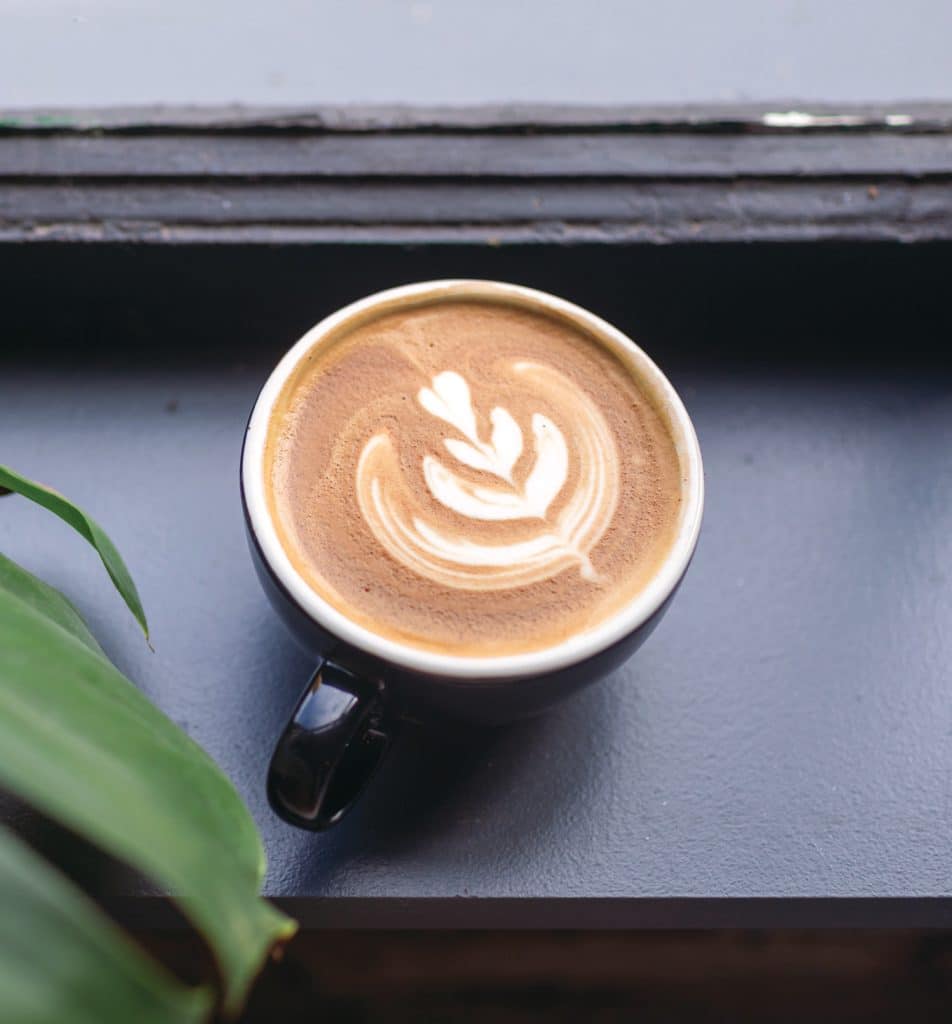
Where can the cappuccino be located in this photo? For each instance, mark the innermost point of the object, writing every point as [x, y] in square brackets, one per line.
[471, 476]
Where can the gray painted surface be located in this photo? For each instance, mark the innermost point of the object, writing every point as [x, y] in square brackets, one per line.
[573, 155]
[415, 176]
[100, 52]
[787, 732]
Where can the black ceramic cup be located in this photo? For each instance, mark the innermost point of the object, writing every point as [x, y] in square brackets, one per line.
[365, 685]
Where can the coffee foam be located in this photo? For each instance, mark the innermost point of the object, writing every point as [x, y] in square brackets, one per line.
[470, 477]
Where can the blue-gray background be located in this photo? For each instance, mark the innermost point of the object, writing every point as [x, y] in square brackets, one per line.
[117, 52]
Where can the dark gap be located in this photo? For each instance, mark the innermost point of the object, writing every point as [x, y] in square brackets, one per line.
[799, 307]
[521, 976]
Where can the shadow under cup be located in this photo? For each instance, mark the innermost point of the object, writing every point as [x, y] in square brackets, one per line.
[366, 685]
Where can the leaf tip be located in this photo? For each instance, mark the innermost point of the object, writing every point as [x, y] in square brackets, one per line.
[144, 626]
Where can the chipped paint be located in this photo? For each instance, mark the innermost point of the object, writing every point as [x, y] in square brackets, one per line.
[802, 119]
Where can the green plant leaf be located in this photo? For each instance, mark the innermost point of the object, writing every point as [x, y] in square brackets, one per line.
[63, 960]
[87, 527]
[45, 599]
[79, 742]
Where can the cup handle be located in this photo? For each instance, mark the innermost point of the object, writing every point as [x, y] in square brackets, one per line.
[329, 750]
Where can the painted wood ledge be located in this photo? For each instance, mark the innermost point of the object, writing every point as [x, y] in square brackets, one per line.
[477, 176]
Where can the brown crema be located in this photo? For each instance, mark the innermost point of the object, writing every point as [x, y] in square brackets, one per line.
[471, 477]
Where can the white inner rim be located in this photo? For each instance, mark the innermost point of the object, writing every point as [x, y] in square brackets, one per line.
[561, 655]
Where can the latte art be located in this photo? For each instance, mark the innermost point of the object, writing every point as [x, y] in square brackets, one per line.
[459, 557]
[471, 477]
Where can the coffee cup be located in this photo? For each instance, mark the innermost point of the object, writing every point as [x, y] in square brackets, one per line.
[468, 500]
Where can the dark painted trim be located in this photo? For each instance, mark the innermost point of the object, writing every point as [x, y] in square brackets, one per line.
[514, 156]
[901, 117]
[567, 913]
[477, 176]
[475, 213]
[473, 912]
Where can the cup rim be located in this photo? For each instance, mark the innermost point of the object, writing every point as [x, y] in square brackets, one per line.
[548, 659]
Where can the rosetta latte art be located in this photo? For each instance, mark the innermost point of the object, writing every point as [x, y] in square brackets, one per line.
[551, 531]
[472, 477]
